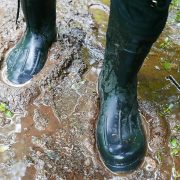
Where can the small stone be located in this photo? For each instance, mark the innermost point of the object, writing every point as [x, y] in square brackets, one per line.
[150, 164]
[65, 168]
[38, 153]
[18, 128]
[3, 148]
[157, 67]
[87, 162]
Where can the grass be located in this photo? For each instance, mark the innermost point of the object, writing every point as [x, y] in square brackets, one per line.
[4, 109]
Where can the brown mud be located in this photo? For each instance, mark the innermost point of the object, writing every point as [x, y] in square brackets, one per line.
[52, 133]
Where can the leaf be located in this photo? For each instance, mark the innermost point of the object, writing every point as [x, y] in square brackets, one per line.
[175, 151]
[174, 143]
[3, 107]
[177, 128]
[159, 156]
[167, 66]
[177, 17]
[9, 114]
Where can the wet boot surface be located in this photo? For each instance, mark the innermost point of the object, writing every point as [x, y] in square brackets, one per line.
[47, 128]
[120, 136]
[28, 57]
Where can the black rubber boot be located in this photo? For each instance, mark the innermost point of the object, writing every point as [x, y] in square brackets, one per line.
[120, 137]
[29, 56]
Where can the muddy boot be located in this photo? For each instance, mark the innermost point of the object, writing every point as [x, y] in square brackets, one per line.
[120, 137]
[29, 56]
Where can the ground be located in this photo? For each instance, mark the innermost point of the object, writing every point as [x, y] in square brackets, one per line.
[47, 128]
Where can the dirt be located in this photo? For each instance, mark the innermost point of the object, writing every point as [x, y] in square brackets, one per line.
[52, 133]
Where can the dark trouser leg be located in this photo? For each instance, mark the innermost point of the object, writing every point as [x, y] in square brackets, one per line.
[134, 26]
[30, 54]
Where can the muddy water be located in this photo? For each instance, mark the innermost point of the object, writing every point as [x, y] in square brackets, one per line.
[52, 134]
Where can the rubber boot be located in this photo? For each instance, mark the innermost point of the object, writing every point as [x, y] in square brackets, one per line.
[120, 136]
[28, 57]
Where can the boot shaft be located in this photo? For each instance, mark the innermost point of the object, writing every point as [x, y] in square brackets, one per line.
[40, 15]
[143, 19]
[126, 50]
[124, 54]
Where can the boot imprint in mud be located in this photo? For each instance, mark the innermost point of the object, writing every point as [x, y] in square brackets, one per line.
[28, 57]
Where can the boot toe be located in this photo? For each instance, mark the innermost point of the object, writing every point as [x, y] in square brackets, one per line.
[16, 72]
[19, 79]
[123, 157]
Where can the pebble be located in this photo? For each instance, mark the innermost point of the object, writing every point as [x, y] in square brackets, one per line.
[87, 162]
[151, 164]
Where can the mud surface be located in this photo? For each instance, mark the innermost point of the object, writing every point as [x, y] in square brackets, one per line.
[47, 128]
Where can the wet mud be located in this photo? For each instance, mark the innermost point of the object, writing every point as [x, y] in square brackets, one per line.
[47, 128]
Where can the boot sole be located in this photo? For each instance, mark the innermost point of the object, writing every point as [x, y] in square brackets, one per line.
[129, 168]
